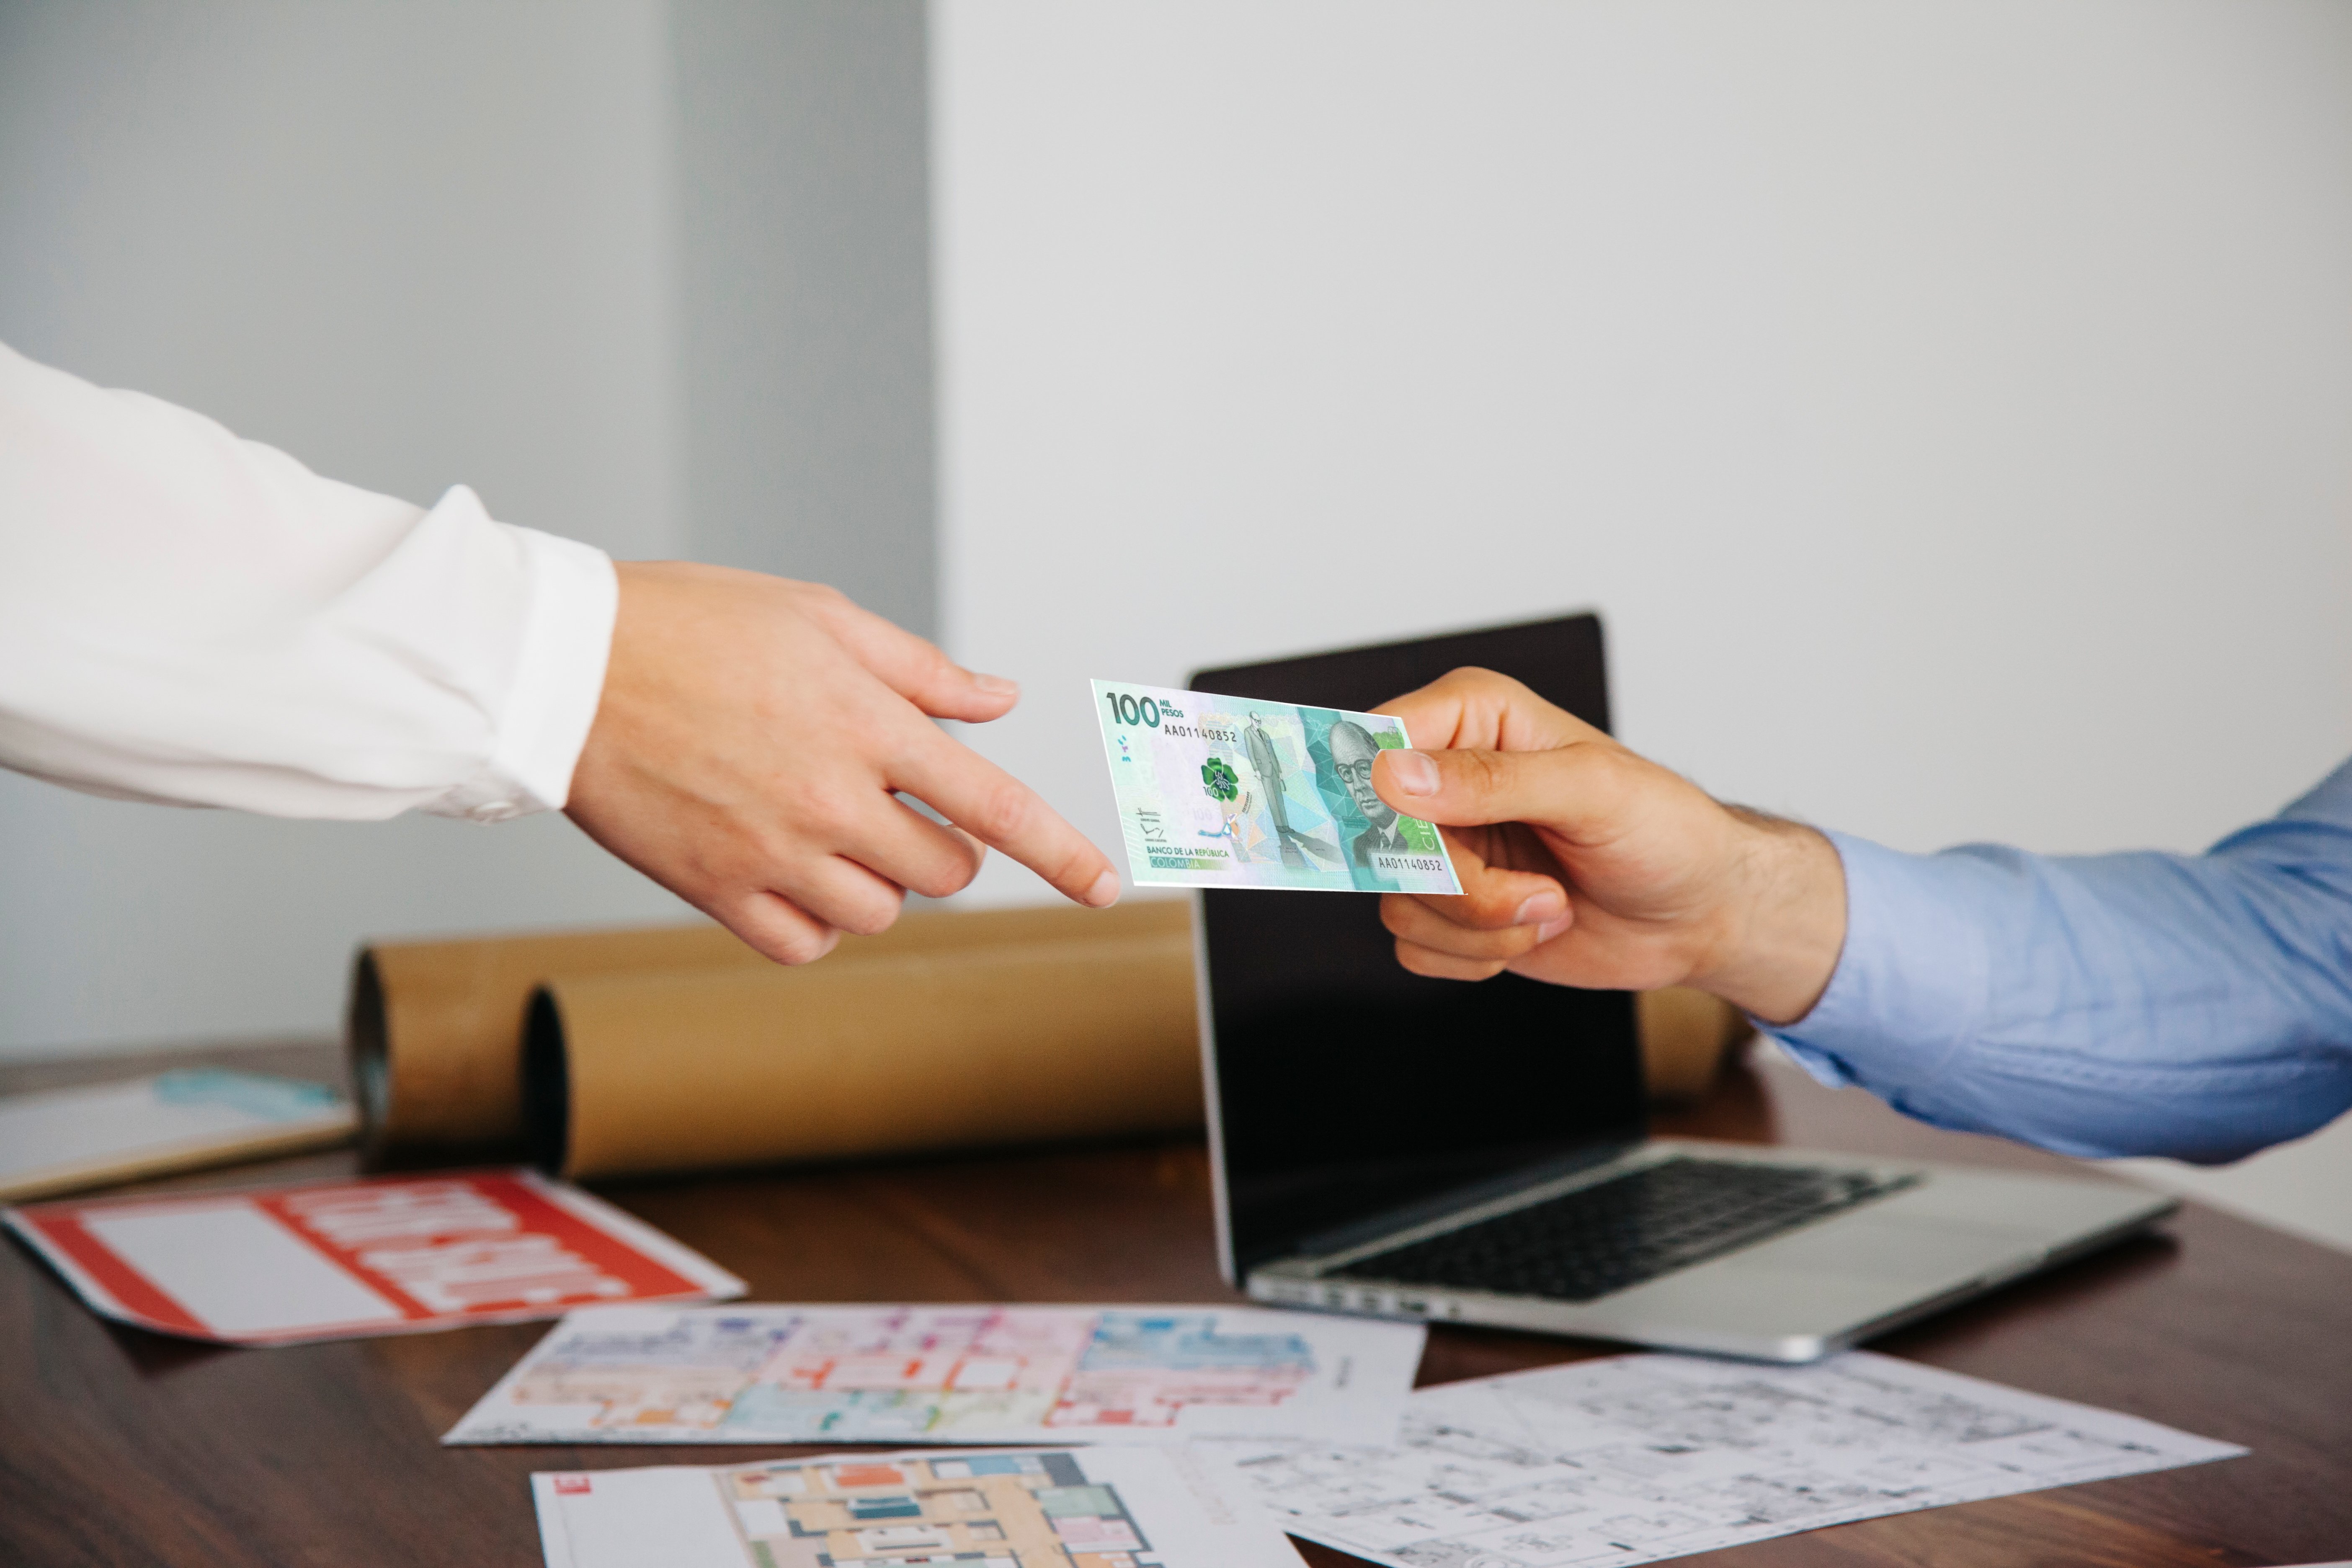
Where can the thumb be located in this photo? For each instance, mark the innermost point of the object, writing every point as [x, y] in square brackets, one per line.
[1572, 789]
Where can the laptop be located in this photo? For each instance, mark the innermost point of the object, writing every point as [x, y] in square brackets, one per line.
[1476, 1152]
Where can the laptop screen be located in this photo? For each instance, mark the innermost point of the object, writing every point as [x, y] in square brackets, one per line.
[1346, 1088]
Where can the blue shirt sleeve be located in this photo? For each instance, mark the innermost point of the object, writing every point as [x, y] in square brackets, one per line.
[2198, 1006]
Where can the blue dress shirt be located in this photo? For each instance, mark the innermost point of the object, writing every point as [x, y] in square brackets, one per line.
[2138, 1004]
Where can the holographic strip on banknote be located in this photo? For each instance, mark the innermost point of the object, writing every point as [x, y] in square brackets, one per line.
[1230, 792]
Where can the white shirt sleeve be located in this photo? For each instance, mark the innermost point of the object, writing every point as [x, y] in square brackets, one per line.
[190, 618]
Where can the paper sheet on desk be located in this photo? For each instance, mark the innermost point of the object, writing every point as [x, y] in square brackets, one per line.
[57, 1140]
[1637, 1458]
[899, 1374]
[1643, 1458]
[1107, 1507]
[363, 1255]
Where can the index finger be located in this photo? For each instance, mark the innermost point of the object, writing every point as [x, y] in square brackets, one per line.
[1004, 814]
[1495, 896]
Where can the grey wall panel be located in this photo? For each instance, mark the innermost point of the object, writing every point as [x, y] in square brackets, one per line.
[420, 242]
[804, 204]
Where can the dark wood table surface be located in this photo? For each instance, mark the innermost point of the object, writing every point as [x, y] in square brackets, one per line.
[122, 1448]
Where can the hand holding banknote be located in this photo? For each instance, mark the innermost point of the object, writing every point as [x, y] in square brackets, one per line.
[1584, 864]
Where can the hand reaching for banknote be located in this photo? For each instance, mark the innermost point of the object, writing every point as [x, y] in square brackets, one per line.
[1583, 863]
[747, 751]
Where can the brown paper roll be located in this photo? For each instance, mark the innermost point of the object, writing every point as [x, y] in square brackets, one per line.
[435, 1028]
[1685, 1034]
[959, 1046]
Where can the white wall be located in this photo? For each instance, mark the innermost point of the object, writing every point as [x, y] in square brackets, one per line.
[415, 242]
[1944, 404]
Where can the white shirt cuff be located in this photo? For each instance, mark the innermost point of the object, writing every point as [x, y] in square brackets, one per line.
[559, 679]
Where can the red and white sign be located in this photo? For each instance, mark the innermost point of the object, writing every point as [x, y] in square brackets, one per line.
[381, 1255]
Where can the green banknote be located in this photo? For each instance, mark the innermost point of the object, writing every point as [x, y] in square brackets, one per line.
[1230, 792]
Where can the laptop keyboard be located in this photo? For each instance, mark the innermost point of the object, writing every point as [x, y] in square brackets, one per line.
[1586, 1243]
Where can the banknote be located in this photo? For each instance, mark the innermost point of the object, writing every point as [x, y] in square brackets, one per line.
[1231, 792]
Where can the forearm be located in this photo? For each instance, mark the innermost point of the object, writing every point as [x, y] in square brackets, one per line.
[188, 617]
[2110, 1004]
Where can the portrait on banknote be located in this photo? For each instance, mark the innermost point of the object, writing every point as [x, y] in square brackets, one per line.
[1348, 749]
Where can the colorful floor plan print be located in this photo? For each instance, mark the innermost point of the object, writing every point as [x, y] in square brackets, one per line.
[1009, 1510]
[1104, 1506]
[949, 1375]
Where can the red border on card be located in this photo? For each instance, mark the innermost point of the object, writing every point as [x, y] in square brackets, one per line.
[139, 1299]
[132, 1291]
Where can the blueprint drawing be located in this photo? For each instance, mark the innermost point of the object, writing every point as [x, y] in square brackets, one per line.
[1636, 1458]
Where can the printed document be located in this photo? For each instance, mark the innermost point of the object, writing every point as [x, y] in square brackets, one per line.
[61, 1139]
[983, 1374]
[383, 1255]
[1231, 792]
[1050, 1507]
[1639, 1457]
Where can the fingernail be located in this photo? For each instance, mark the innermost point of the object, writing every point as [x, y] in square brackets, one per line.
[1413, 772]
[1539, 909]
[996, 685]
[1551, 929]
[1105, 892]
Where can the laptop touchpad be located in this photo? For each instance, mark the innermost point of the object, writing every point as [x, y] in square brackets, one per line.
[1911, 1250]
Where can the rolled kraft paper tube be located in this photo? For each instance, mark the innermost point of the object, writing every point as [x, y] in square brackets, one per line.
[435, 1028]
[1016, 1042]
[1686, 1037]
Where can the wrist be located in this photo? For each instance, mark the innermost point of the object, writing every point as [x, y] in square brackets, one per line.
[1783, 924]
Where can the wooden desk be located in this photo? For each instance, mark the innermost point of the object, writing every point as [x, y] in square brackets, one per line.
[119, 1448]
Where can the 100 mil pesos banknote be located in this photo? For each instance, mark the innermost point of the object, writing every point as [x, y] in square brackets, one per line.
[1231, 792]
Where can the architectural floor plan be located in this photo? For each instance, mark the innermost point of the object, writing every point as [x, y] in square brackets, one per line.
[1635, 1458]
[950, 1375]
[1089, 1508]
